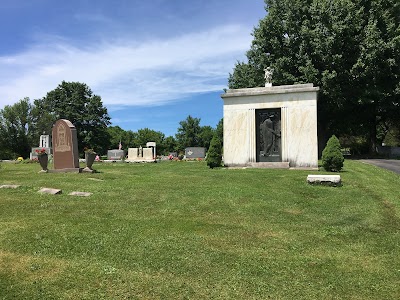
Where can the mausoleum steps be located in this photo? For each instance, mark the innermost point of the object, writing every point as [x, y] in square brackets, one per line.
[269, 165]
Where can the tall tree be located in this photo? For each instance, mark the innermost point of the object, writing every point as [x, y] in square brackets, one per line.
[349, 48]
[170, 145]
[145, 135]
[76, 102]
[189, 133]
[117, 135]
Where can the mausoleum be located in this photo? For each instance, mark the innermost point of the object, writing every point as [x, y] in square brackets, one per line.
[271, 126]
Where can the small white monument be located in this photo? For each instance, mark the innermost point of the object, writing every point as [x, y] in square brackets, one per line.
[44, 141]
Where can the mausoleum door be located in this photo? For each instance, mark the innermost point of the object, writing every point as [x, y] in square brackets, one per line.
[268, 135]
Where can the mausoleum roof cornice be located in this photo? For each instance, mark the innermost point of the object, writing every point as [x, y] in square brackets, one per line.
[281, 89]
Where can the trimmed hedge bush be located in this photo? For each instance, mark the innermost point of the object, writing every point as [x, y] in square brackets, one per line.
[332, 157]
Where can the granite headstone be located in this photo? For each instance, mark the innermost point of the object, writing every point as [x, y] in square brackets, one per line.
[195, 152]
[115, 154]
[65, 145]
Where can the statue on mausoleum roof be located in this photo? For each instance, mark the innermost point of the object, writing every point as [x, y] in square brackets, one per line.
[268, 76]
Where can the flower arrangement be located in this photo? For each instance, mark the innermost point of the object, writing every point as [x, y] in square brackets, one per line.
[40, 152]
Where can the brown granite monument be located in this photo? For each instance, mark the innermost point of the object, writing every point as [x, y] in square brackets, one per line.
[65, 147]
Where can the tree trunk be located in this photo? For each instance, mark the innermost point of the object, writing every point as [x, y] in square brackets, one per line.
[372, 135]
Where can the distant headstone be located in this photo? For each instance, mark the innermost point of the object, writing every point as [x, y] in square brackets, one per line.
[148, 153]
[133, 153]
[142, 154]
[115, 154]
[44, 141]
[152, 145]
[65, 145]
[34, 153]
[195, 152]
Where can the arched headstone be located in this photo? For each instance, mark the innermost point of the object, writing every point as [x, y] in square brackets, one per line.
[65, 146]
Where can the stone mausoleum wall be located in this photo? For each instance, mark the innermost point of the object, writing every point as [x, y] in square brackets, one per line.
[297, 109]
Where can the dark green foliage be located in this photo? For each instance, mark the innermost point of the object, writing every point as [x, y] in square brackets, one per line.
[332, 157]
[206, 135]
[16, 130]
[145, 135]
[169, 145]
[191, 134]
[220, 131]
[214, 155]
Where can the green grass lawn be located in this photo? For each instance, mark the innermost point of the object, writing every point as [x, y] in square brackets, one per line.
[178, 230]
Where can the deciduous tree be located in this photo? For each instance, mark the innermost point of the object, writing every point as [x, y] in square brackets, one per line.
[76, 102]
[189, 133]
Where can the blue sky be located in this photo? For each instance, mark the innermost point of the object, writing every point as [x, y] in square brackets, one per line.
[153, 62]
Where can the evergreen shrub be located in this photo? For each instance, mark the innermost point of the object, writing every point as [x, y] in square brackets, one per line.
[214, 155]
[332, 157]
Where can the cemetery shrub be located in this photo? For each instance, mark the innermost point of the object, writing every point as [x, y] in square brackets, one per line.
[214, 155]
[332, 157]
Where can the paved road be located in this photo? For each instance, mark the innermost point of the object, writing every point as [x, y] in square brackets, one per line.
[389, 164]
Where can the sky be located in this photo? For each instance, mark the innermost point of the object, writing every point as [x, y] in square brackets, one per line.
[153, 62]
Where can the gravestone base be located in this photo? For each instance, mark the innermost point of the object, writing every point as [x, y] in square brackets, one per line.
[66, 170]
[140, 160]
[332, 180]
[88, 170]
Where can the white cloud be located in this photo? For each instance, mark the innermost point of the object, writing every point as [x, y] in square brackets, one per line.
[127, 71]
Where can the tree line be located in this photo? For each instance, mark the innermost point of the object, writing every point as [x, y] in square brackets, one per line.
[349, 48]
[22, 124]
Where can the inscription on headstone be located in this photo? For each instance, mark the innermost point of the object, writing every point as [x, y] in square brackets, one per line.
[65, 145]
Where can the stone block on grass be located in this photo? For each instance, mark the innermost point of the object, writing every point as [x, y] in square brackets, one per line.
[80, 194]
[333, 180]
[9, 186]
[50, 191]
